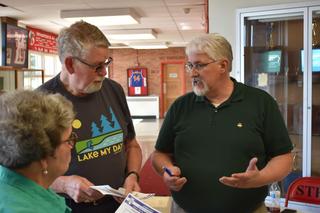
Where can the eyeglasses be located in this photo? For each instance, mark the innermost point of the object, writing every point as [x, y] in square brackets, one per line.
[99, 67]
[198, 66]
[71, 141]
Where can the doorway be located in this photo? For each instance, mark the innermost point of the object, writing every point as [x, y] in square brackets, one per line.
[173, 83]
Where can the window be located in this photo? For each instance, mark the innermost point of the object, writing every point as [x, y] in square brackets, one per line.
[49, 62]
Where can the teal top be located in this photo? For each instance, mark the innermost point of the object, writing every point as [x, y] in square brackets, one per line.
[20, 194]
[209, 142]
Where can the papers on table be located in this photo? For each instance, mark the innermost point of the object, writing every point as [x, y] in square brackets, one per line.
[133, 205]
[108, 190]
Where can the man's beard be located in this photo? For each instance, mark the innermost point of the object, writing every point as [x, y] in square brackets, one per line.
[93, 87]
[200, 88]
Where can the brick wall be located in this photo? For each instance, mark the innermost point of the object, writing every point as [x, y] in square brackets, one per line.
[151, 59]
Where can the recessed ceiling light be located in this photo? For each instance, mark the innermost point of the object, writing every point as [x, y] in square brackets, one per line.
[103, 17]
[138, 34]
[148, 45]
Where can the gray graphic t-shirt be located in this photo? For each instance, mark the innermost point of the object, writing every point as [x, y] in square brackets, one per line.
[103, 125]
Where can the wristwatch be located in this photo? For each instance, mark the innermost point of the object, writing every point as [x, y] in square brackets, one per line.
[135, 173]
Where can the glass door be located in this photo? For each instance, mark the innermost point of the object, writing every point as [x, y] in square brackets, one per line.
[278, 50]
[314, 72]
[272, 47]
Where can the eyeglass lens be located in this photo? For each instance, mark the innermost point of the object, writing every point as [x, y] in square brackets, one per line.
[105, 64]
[72, 139]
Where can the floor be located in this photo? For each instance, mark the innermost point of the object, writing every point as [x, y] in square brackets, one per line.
[146, 133]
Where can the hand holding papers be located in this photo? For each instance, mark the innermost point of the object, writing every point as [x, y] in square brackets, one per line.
[108, 190]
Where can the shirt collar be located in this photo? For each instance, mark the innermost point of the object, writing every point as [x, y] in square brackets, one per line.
[13, 178]
[236, 95]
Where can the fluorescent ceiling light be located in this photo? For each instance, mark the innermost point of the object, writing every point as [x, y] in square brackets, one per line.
[148, 45]
[103, 17]
[185, 26]
[123, 35]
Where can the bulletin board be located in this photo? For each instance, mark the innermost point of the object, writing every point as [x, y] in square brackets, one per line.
[137, 81]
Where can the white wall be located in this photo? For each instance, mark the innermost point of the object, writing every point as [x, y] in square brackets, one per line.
[222, 15]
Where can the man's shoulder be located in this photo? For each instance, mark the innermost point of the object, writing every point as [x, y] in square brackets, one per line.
[51, 85]
[254, 92]
[111, 83]
[189, 97]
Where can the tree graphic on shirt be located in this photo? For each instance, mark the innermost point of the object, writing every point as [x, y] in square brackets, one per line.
[95, 130]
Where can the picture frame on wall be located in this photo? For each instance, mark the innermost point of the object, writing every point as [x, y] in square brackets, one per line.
[15, 48]
[137, 81]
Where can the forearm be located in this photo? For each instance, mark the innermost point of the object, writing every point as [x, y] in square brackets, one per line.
[276, 169]
[59, 184]
[134, 156]
[161, 159]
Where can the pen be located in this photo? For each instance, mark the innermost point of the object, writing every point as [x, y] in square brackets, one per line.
[168, 171]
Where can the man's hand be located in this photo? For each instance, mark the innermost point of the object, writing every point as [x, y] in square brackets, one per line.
[130, 184]
[247, 179]
[174, 181]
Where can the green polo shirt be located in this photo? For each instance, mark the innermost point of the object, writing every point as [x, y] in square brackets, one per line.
[19, 194]
[209, 142]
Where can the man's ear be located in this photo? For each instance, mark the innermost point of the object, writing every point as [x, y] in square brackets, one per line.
[224, 65]
[68, 61]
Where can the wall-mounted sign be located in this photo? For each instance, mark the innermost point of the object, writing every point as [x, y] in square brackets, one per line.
[173, 75]
[137, 81]
[42, 41]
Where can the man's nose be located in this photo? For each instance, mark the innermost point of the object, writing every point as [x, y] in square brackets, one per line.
[194, 72]
[103, 71]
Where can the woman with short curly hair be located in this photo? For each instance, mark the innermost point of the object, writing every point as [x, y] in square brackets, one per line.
[35, 146]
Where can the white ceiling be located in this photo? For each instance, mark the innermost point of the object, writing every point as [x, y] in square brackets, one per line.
[165, 17]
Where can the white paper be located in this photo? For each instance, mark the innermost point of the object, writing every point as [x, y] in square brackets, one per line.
[133, 205]
[137, 90]
[262, 79]
[108, 190]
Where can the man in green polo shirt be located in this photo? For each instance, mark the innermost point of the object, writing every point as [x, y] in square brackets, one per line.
[222, 144]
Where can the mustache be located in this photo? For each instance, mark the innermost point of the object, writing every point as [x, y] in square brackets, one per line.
[196, 80]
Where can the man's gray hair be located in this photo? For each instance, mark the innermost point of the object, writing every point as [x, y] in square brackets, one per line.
[79, 37]
[214, 45]
[31, 126]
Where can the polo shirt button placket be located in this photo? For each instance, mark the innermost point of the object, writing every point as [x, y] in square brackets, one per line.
[215, 110]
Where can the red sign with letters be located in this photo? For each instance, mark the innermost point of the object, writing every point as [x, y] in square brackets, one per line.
[305, 189]
[42, 41]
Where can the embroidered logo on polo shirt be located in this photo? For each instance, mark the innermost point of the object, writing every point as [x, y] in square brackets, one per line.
[239, 125]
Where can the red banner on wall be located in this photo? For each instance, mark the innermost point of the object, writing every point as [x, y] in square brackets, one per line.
[42, 41]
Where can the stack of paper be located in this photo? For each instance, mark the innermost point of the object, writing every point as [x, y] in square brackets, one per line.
[131, 204]
[108, 190]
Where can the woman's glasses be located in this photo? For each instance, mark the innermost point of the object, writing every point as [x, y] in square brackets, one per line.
[71, 141]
